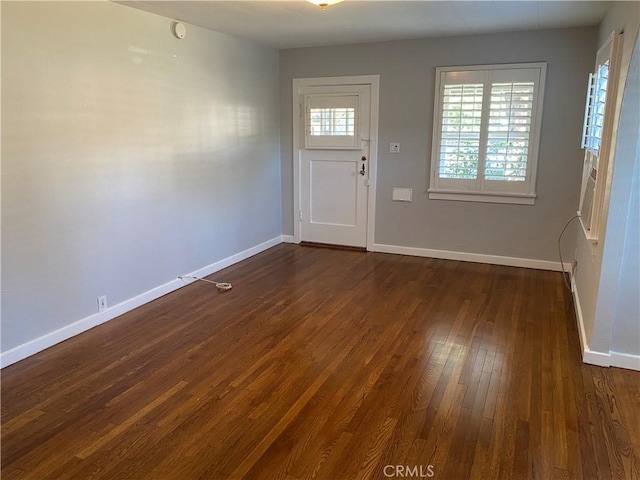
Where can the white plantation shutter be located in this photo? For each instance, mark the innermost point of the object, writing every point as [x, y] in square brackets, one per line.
[594, 114]
[587, 134]
[594, 123]
[486, 130]
[509, 131]
[460, 134]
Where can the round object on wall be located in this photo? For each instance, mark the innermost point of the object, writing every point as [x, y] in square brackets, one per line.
[178, 29]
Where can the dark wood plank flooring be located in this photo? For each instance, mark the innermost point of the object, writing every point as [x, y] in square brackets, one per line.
[328, 364]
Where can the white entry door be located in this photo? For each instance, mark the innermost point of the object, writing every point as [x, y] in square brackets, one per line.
[334, 162]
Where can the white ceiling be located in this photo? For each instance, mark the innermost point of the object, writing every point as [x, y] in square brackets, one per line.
[298, 23]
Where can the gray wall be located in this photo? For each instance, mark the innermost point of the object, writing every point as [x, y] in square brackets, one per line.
[128, 157]
[407, 75]
[597, 278]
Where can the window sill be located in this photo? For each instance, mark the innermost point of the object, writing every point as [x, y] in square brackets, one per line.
[591, 238]
[518, 199]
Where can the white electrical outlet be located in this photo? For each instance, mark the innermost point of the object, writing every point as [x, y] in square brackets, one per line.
[102, 303]
[394, 148]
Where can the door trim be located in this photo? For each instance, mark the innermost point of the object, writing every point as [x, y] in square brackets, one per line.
[374, 82]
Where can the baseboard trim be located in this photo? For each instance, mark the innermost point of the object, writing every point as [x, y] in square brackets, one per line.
[601, 359]
[287, 239]
[50, 339]
[625, 360]
[471, 257]
[588, 356]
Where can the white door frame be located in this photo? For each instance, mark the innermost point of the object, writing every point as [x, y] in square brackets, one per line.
[374, 82]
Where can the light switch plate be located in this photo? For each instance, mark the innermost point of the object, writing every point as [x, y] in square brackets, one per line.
[402, 194]
[394, 148]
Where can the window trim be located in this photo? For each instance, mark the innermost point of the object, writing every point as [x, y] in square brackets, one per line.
[475, 190]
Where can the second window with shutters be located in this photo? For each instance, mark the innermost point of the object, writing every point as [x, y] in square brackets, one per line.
[486, 132]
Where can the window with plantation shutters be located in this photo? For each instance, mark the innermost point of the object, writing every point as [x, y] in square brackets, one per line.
[597, 136]
[486, 130]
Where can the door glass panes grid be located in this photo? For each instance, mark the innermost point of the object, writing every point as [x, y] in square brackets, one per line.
[332, 121]
[509, 131]
[460, 135]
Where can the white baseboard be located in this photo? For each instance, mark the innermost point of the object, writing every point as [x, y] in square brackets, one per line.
[588, 356]
[233, 259]
[601, 359]
[287, 239]
[48, 340]
[625, 360]
[471, 257]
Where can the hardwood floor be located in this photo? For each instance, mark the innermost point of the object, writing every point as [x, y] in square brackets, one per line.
[328, 364]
